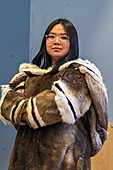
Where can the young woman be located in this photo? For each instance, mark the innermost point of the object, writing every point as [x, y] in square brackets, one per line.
[58, 104]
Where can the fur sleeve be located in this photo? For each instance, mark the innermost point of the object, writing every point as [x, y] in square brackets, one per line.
[98, 93]
[72, 96]
[42, 110]
[67, 100]
[98, 110]
[96, 88]
[98, 118]
[13, 100]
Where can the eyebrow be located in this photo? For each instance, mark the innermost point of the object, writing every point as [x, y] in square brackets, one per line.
[59, 34]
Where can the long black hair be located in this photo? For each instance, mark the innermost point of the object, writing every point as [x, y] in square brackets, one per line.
[74, 47]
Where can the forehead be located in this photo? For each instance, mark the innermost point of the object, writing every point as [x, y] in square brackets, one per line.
[58, 28]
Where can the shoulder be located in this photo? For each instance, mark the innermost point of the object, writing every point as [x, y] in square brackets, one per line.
[28, 69]
[84, 66]
[33, 69]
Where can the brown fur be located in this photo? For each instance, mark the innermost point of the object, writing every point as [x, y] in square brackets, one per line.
[60, 145]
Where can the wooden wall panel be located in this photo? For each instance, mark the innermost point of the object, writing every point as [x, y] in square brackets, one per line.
[104, 159]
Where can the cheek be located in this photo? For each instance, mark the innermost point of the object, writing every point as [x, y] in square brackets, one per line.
[47, 47]
[67, 47]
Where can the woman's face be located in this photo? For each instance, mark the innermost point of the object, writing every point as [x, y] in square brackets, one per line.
[57, 43]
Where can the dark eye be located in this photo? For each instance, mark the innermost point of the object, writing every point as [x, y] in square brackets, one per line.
[64, 38]
[51, 36]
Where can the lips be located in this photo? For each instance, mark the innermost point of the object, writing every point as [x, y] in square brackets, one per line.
[57, 48]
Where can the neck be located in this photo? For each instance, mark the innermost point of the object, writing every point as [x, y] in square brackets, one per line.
[53, 63]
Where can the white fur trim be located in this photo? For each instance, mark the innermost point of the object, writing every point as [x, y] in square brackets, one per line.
[39, 118]
[70, 96]
[4, 89]
[98, 79]
[29, 115]
[93, 75]
[11, 112]
[17, 111]
[90, 66]
[25, 66]
[73, 99]
[63, 106]
[33, 69]
[20, 85]
[17, 76]
[84, 63]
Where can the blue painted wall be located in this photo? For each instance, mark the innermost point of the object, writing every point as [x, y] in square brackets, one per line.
[94, 22]
[14, 49]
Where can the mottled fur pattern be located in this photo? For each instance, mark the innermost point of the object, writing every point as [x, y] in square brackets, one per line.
[72, 112]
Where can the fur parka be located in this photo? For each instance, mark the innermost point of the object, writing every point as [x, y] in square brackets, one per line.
[67, 116]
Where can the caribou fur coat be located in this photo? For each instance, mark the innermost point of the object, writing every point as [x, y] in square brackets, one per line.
[67, 116]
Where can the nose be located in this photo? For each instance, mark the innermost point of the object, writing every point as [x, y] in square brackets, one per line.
[57, 40]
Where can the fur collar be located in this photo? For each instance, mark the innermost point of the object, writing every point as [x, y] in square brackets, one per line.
[27, 67]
